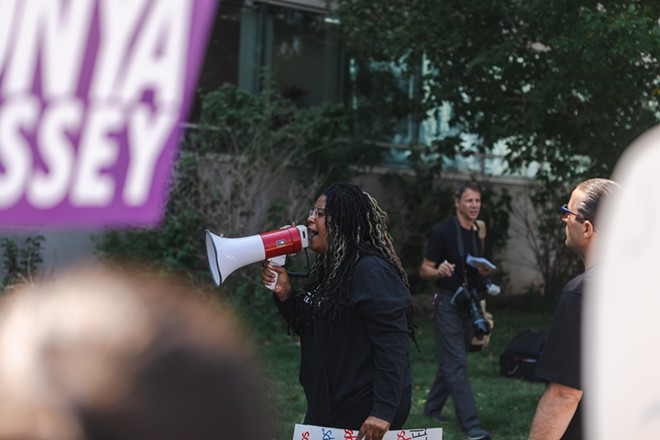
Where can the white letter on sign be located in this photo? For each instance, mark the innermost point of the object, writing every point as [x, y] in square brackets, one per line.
[7, 9]
[95, 152]
[15, 154]
[47, 189]
[64, 40]
[20, 72]
[59, 31]
[158, 61]
[118, 23]
[147, 134]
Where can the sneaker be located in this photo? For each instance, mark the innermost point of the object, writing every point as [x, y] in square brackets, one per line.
[476, 433]
[435, 415]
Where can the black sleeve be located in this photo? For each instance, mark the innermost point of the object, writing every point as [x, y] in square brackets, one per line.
[290, 309]
[560, 359]
[382, 299]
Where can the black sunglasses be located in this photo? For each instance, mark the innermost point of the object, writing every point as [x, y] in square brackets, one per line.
[565, 212]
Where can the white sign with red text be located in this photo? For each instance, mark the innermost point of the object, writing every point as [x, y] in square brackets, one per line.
[312, 432]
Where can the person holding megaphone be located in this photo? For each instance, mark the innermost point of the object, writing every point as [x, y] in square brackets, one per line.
[353, 317]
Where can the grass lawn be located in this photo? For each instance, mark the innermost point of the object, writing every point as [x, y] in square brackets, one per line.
[506, 406]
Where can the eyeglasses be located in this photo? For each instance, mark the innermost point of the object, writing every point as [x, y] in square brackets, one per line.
[317, 212]
[565, 212]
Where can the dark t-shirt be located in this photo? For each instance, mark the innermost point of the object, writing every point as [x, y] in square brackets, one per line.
[560, 360]
[442, 245]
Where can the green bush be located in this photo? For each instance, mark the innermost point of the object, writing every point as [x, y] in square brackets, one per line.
[20, 263]
[255, 163]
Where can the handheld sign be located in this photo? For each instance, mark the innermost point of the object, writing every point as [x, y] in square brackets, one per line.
[92, 93]
[312, 432]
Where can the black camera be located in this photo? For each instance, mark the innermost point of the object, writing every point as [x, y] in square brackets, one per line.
[470, 296]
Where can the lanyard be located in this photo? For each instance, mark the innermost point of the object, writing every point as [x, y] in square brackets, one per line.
[461, 249]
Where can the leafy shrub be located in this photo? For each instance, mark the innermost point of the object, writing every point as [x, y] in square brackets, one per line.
[21, 262]
[254, 163]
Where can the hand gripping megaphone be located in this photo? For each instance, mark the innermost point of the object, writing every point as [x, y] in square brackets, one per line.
[225, 255]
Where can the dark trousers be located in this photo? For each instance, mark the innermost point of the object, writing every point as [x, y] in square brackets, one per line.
[453, 333]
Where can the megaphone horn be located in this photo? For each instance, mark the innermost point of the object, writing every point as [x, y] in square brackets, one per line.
[225, 255]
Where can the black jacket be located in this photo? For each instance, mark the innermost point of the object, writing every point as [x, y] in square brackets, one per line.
[364, 358]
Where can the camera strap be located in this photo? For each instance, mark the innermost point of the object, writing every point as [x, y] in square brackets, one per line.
[461, 248]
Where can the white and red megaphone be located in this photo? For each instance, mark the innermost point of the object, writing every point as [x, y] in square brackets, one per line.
[228, 254]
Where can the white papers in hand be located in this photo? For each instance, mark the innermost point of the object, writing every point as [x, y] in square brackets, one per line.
[477, 262]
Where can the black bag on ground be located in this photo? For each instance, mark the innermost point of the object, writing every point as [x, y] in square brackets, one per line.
[522, 354]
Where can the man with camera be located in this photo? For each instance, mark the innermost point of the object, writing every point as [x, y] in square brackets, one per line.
[456, 310]
[558, 414]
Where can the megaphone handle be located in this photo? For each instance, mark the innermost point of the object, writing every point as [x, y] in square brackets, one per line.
[276, 261]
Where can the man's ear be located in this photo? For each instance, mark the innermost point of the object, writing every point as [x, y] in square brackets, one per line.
[589, 229]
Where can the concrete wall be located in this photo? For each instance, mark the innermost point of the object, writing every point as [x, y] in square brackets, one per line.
[517, 259]
[62, 248]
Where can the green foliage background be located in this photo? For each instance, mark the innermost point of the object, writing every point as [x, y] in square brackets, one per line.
[566, 85]
[558, 80]
[249, 134]
[20, 259]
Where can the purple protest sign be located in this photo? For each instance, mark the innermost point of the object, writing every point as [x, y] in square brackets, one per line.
[92, 94]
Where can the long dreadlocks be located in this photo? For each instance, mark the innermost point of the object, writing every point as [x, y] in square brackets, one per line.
[356, 226]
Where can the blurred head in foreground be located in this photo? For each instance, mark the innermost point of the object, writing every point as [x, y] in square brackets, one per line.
[99, 353]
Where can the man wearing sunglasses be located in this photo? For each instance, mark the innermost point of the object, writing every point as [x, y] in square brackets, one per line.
[558, 415]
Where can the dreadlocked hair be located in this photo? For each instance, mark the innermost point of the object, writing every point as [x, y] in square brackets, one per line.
[356, 226]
